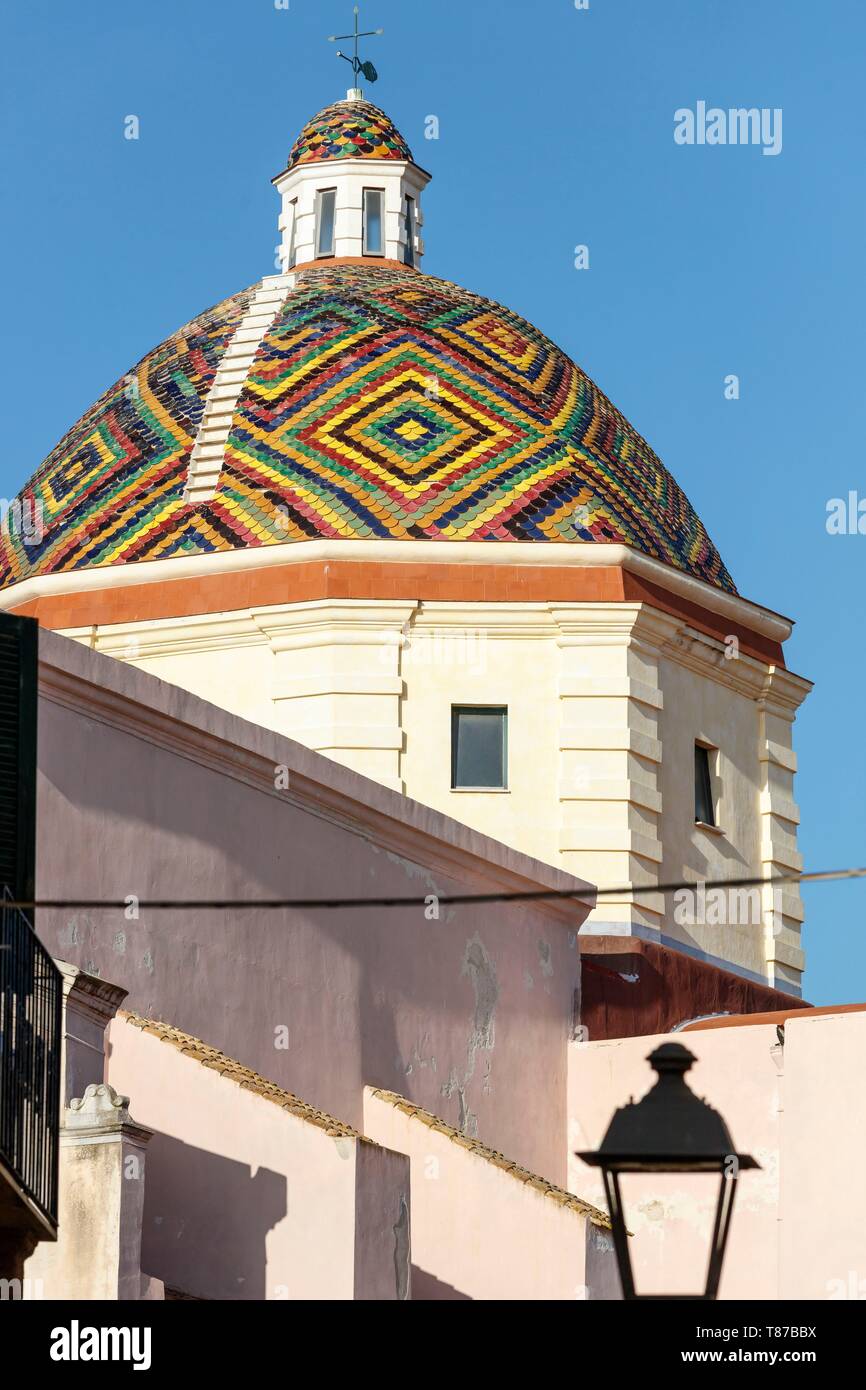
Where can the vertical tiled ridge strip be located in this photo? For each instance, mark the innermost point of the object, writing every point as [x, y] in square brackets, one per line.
[110, 491]
[206, 459]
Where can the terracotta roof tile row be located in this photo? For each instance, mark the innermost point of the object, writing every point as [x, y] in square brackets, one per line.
[248, 1080]
[547, 1189]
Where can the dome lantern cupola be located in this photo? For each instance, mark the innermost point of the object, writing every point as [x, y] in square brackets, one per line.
[351, 190]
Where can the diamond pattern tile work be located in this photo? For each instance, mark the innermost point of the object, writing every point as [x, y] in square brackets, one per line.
[383, 403]
[349, 130]
[111, 491]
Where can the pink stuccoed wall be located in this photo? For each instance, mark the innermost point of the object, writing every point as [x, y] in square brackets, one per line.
[147, 790]
[479, 1232]
[799, 1225]
[822, 1250]
[244, 1200]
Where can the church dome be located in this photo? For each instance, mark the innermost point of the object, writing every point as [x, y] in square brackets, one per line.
[351, 129]
[380, 403]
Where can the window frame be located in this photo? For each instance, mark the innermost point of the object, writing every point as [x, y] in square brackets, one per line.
[320, 195]
[292, 258]
[409, 225]
[456, 711]
[705, 772]
[380, 193]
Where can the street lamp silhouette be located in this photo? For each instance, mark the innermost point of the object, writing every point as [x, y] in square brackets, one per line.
[670, 1131]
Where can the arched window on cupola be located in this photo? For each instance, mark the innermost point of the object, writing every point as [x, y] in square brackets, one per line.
[374, 231]
[326, 208]
[409, 231]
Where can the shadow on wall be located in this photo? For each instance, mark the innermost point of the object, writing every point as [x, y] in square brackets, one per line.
[387, 998]
[198, 1207]
[426, 1288]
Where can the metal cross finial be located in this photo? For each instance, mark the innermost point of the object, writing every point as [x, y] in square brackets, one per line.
[357, 66]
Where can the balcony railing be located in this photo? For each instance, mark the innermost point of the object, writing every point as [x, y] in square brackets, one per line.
[31, 994]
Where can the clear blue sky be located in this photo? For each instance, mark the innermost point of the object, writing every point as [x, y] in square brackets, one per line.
[556, 129]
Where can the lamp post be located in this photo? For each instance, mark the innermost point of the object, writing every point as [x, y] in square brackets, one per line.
[670, 1131]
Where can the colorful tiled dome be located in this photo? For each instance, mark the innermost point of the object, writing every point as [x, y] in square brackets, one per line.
[349, 130]
[381, 403]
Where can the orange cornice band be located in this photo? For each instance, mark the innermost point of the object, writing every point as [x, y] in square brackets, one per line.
[353, 579]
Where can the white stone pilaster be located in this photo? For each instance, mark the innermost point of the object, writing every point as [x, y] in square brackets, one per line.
[610, 752]
[782, 907]
[338, 682]
[89, 1005]
[97, 1254]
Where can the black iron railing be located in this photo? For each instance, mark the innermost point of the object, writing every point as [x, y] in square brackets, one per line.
[30, 1031]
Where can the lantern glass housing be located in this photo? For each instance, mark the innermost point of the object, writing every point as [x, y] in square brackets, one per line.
[670, 1131]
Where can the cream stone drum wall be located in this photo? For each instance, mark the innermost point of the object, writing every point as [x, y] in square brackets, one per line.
[605, 703]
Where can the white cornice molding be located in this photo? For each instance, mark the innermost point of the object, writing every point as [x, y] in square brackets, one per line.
[98, 999]
[364, 167]
[329, 623]
[708, 657]
[529, 554]
[783, 692]
[173, 636]
[176, 721]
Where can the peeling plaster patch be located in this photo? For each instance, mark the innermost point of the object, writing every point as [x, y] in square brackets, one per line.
[576, 1133]
[572, 939]
[418, 1061]
[147, 962]
[70, 936]
[467, 1120]
[418, 871]
[401, 1251]
[652, 1216]
[120, 943]
[480, 969]
[344, 1146]
[767, 1190]
[528, 980]
[544, 958]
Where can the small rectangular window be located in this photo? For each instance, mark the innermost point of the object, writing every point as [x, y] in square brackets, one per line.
[373, 199]
[479, 747]
[326, 204]
[409, 232]
[704, 810]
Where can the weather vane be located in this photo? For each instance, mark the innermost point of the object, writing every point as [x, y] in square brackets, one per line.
[357, 66]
